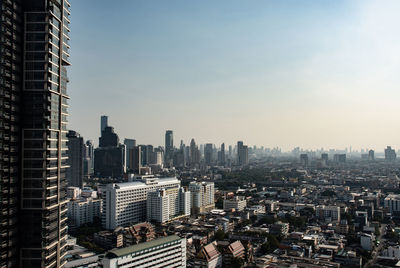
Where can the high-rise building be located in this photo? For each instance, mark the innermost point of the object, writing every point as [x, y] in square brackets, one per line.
[88, 161]
[194, 154]
[390, 154]
[243, 154]
[130, 144]
[34, 54]
[103, 123]
[76, 153]
[324, 158]
[169, 147]
[371, 155]
[109, 157]
[208, 154]
[166, 204]
[202, 197]
[304, 160]
[125, 203]
[221, 155]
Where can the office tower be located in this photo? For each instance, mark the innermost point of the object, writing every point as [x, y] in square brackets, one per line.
[125, 203]
[202, 197]
[135, 156]
[208, 154]
[194, 154]
[304, 160]
[147, 154]
[371, 155]
[103, 123]
[88, 161]
[168, 251]
[33, 113]
[130, 144]
[221, 155]
[324, 158]
[109, 157]
[242, 153]
[157, 158]
[390, 154]
[76, 154]
[169, 147]
[339, 158]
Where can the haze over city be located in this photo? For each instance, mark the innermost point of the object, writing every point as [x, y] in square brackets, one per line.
[285, 73]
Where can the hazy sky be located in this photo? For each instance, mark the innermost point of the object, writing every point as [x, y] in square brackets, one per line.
[275, 73]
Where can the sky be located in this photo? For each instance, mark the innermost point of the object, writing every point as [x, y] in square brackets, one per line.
[314, 74]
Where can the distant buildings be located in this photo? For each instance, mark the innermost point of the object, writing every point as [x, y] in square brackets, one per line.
[76, 154]
[202, 197]
[167, 251]
[169, 148]
[130, 144]
[371, 155]
[103, 123]
[194, 154]
[208, 154]
[339, 158]
[304, 160]
[242, 153]
[390, 154]
[109, 157]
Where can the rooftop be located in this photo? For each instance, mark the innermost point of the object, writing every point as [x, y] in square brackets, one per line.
[115, 253]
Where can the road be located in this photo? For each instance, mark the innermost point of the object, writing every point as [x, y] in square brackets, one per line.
[376, 250]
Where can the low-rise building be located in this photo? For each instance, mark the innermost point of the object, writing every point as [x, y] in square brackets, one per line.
[167, 251]
[238, 203]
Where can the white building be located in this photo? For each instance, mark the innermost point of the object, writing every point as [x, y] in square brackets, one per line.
[165, 205]
[238, 203]
[125, 203]
[83, 211]
[202, 196]
[392, 202]
[328, 213]
[73, 192]
[169, 251]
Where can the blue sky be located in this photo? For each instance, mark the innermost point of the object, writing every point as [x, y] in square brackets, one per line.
[274, 73]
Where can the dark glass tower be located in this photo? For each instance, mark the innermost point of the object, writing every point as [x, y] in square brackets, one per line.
[169, 147]
[33, 116]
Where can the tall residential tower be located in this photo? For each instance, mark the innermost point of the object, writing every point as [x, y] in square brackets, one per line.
[34, 54]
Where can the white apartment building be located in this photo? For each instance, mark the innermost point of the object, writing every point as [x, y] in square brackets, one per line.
[166, 204]
[331, 213]
[202, 196]
[169, 251]
[83, 210]
[238, 203]
[392, 202]
[125, 203]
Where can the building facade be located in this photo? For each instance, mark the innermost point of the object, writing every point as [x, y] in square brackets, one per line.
[202, 197]
[125, 203]
[83, 211]
[33, 142]
[76, 155]
[169, 251]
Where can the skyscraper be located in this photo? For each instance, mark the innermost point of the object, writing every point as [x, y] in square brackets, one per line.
[76, 154]
[109, 157]
[169, 147]
[130, 144]
[243, 153]
[103, 123]
[208, 154]
[33, 112]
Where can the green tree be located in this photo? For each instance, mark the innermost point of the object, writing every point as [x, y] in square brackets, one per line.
[237, 263]
[219, 235]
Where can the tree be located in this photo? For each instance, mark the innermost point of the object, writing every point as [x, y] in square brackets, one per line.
[237, 263]
[219, 235]
[269, 246]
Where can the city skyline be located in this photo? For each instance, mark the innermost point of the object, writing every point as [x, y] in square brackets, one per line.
[276, 77]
